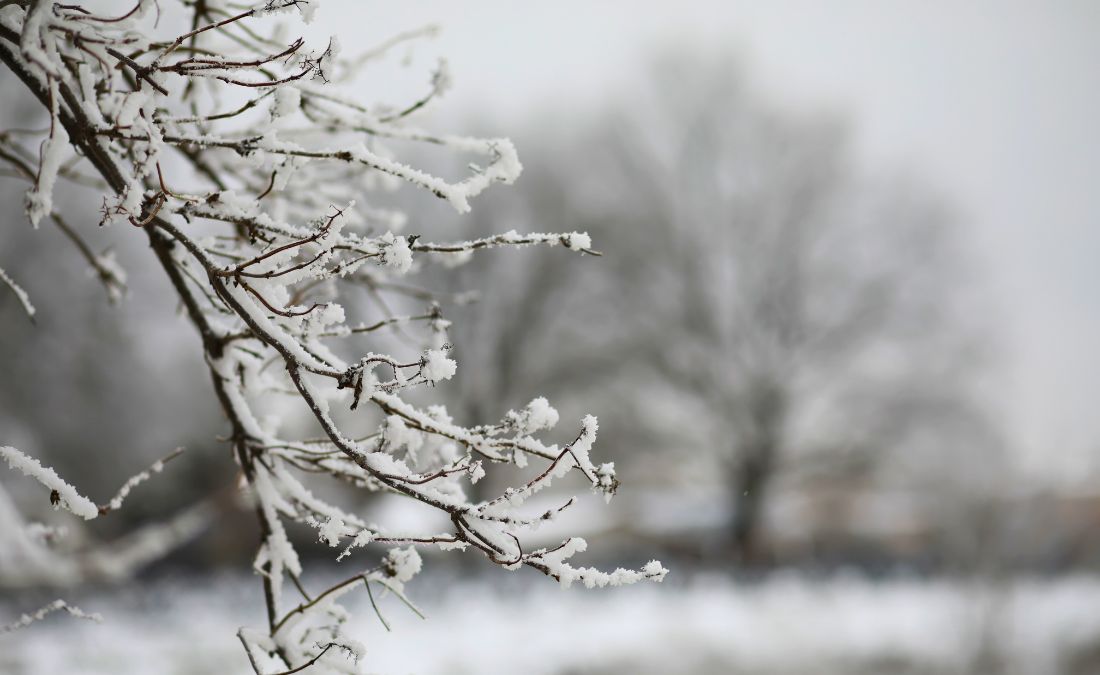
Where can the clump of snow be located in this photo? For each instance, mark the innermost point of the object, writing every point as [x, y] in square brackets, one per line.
[402, 564]
[577, 241]
[536, 416]
[395, 252]
[541, 415]
[331, 314]
[436, 367]
[655, 570]
[331, 531]
[606, 481]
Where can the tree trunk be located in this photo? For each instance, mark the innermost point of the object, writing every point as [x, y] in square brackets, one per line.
[749, 485]
[753, 464]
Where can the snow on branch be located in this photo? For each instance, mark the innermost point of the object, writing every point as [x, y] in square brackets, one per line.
[260, 187]
[62, 494]
[574, 241]
[20, 294]
[65, 496]
[138, 479]
[55, 606]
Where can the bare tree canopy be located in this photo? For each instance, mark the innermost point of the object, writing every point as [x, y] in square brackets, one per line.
[793, 312]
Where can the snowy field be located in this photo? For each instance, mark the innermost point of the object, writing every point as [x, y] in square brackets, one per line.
[784, 624]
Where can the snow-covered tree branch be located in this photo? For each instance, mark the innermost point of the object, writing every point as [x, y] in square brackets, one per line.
[230, 148]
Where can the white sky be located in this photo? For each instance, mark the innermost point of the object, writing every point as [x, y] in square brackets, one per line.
[997, 102]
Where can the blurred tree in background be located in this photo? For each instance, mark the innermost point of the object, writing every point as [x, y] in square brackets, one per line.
[764, 309]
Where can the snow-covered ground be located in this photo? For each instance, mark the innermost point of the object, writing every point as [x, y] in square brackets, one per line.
[783, 624]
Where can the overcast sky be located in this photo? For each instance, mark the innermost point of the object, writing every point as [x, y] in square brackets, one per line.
[996, 102]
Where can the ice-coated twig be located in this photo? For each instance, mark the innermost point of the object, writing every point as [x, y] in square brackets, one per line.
[55, 606]
[62, 494]
[138, 479]
[20, 294]
[575, 241]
